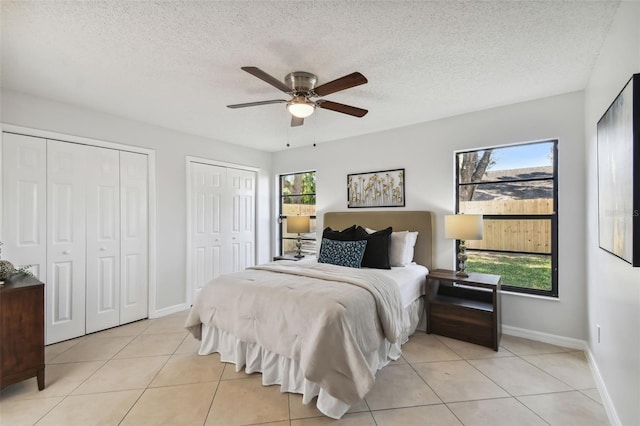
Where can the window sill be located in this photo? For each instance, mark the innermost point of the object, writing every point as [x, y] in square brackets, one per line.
[531, 296]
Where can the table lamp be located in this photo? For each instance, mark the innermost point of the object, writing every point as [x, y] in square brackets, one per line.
[298, 225]
[463, 227]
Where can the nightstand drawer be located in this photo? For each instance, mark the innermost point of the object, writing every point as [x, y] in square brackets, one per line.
[462, 323]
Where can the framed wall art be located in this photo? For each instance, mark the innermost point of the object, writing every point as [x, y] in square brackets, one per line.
[619, 175]
[376, 189]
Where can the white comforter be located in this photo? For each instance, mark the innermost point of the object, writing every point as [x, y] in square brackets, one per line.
[326, 317]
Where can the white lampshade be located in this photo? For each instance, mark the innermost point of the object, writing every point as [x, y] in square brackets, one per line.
[463, 226]
[301, 108]
[298, 224]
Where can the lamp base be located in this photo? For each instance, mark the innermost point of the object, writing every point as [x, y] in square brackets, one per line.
[299, 254]
[462, 260]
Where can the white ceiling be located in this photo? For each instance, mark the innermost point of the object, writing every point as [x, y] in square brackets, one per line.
[177, 64]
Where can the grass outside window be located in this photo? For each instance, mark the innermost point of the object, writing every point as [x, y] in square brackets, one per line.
[518, 270]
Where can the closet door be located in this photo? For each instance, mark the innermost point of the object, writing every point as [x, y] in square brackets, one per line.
[241, 190]
[24, 197]
[134, 237]
[78, 215]
[208, 258]
[66, 237]
[103, 239]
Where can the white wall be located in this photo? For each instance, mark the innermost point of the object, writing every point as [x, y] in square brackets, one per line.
[613, 286]
[171, 148]
[426, 152]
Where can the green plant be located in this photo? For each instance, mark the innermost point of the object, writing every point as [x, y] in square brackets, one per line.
[24, 270]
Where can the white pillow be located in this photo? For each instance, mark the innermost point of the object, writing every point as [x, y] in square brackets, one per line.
[401, 248]
[412, 237]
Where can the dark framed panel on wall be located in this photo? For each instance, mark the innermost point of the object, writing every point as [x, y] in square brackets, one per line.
[619, 175]
[384, 188]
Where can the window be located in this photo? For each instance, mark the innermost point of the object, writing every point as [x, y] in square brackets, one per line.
[515, 189]
[297, 198]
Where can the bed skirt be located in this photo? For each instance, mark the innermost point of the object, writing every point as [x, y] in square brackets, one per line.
[286, 372]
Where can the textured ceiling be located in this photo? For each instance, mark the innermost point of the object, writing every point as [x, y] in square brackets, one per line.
[177, 64]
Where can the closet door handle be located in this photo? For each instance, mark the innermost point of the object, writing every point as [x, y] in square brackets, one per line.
[103, 249]
[66, 252]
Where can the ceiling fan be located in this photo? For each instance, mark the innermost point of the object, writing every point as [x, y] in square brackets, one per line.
[301, 86]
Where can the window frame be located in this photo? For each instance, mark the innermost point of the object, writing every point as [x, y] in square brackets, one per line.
[282, 217]
[552, 217]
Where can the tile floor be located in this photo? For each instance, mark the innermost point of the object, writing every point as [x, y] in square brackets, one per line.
[148, 373]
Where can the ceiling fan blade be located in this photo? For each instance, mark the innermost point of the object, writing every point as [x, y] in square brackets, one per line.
[341, 83]
[257, 72]
[250, 104]
[296, 121]
[345, 109]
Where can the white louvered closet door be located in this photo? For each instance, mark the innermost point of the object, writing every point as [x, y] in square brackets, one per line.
[24, 195]
[134, 237]
[208, 257]
[103, 239]
[66, 240]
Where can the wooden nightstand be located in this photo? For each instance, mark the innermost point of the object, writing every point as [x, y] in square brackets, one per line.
[464, 308]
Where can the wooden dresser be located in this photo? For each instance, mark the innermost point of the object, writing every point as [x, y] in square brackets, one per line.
[21, 330]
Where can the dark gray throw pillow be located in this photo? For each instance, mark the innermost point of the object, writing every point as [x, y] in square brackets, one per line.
[348, 234]
[376, 254]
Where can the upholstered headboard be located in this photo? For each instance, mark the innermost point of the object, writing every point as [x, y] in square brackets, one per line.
[400, 221]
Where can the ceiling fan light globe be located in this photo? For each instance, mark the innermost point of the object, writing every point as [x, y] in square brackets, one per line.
[301, 109]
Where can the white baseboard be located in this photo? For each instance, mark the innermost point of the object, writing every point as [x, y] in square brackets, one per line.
[569, 342]
[552, 339]
[168, 310]
[602, 389]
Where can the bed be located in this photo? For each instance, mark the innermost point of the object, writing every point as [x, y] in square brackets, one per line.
[314, 328]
